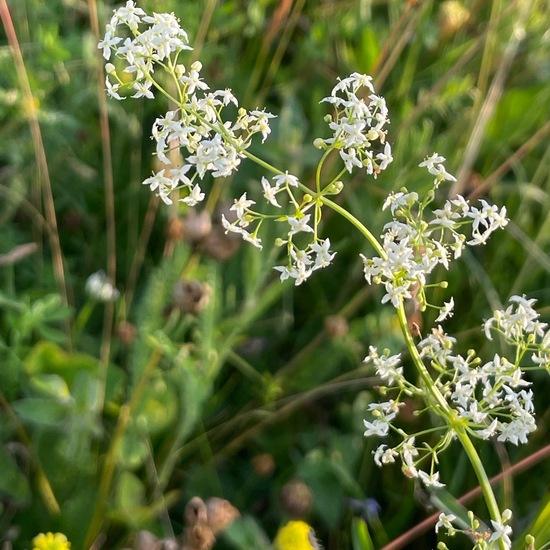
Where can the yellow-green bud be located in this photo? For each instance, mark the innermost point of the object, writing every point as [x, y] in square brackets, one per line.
[319, 143]
[179, 71]
[334, 188]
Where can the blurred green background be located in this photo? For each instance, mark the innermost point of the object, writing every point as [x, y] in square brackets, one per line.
[208, 376]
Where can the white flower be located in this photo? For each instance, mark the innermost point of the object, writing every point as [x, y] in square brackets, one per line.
[300, 272]
[440, 174]
[285, 271]
[323, 256]
[192, 80]
[262, 123]
[489, 431]
[384, 455]
[240, 205]
[445, 520]
[501, 532]
[446, 311]
[252, 239]
[270, 192]
[429, 162]
[408, 452]
[108, 42]
[100, 288]
[112, 89]
[129, 15]
[143, 89]
[431, 480]
[162, 184]
[396, 293]
[400, 200]
[350, 159]
[386, 367]
[194, 197]
[385, 157]
[299, 225]
[285, 179]
[378, 428]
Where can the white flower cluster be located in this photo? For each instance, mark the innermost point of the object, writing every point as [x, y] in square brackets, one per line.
[358, 125]
[414, 247]
[302, 261]
[499, 537]
[489, 400]
[162, 40]
[212, 145]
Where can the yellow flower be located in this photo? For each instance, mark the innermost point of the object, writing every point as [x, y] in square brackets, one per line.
[51, 541]
[296, 535]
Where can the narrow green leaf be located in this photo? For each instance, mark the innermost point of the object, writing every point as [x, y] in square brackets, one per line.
[360, 536]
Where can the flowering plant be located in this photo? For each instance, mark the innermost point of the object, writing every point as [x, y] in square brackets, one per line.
[207, 135]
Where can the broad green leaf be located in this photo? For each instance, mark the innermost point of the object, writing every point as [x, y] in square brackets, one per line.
[246, 534]
[318, 472]
[158, 407]
[50, 385]
[49, 358]
[130, 491]
[132, 449]
[42, 412]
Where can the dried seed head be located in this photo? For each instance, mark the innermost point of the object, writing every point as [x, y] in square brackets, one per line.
[263, 464]
[296, 498]
[336, 326]
[191, 296]
[220, 514]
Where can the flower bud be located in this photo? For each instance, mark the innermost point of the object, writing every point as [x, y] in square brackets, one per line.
[334, 188]
[110, 68]
[319, 143]
[179, 71]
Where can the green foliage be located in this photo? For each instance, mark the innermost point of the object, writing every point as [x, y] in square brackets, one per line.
[255, 388]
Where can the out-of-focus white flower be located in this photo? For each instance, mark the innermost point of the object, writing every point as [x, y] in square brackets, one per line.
[98, 287]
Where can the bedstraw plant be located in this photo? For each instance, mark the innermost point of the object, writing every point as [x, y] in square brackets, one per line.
[206, 134]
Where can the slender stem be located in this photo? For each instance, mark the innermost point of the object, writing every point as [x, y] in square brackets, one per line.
[354, 221]
[39, 152]
[110, 462]
[108, 179]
